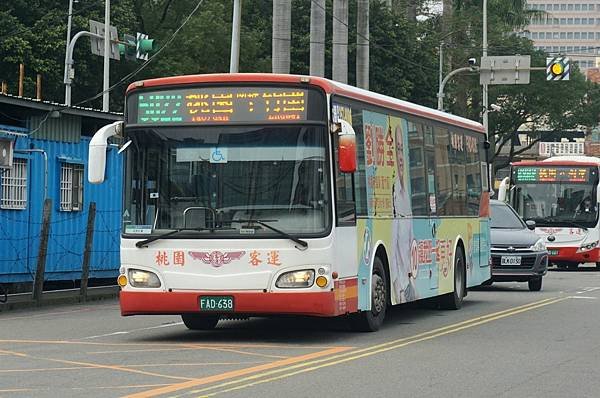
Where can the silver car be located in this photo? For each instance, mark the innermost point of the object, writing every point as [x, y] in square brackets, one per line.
[518, 253]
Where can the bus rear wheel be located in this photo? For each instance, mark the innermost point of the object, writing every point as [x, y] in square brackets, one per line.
[371, 321]
[199, 322]
[454, 300]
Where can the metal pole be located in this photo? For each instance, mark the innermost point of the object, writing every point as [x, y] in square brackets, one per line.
[443, 84]
[70, 74]
[234, 65]
[485, 86]
[68, 86]
[105, 85]
[89, 242]
[440, 77]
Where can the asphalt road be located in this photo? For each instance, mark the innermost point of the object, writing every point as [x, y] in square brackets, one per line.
[504, 342]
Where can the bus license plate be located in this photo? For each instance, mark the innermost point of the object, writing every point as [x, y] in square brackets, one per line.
[216, 303]
[553, 252]
[510, 260]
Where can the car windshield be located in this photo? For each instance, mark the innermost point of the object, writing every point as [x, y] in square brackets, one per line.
[207, 178]
[503, 217]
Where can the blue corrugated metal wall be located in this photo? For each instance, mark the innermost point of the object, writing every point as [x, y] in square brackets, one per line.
[20, 229]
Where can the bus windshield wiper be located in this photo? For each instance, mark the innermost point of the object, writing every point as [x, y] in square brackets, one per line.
[301, 242]
[144, 243]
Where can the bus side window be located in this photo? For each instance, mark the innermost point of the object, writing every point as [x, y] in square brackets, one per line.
[418, 175]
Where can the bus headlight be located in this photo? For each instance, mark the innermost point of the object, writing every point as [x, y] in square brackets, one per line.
[304, 278]
[538, 246]
[587, 247]
[139, 278]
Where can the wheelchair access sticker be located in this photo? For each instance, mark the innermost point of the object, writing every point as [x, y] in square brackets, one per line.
[218, 155]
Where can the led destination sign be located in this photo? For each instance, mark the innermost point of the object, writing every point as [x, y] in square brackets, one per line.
[212, 105]
[552, 174]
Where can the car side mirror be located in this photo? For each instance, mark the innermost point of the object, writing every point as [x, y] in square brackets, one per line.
[530, 224]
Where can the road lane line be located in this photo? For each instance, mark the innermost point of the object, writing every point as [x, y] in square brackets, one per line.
[369, 351]
[583, 297]
[17, 354]
[168, 345]
[237, 373]
[133, 330]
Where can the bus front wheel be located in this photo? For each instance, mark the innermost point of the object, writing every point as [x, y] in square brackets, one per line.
[454, 300]
[199, 322]
[371, 321]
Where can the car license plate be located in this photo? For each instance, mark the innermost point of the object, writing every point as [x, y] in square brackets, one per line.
[216, 303]
[553, 252]
[510, 260]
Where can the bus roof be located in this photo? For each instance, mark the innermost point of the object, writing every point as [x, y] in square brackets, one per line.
[561, 161]
[329, 86]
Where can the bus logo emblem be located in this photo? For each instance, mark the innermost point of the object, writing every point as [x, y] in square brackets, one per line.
[216, 258]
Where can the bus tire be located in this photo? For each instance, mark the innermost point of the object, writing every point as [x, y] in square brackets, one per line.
[371, 321]
[598, 266]
[535, 285]
[454, 300]
[199, 322]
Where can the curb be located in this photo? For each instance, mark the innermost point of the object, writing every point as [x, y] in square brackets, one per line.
[58, 297]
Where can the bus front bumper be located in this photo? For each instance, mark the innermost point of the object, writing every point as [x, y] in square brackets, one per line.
[247, 303]
[570, 254]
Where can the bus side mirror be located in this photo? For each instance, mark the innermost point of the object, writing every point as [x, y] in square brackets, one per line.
[346, 146]
[97, 151]
[598, 193]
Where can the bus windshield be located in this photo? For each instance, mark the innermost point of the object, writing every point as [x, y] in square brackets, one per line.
[216, 180]
[557, 203]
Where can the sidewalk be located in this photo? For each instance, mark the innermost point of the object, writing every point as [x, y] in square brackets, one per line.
[57, 297]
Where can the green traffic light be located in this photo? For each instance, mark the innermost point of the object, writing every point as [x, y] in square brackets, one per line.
[146, 45]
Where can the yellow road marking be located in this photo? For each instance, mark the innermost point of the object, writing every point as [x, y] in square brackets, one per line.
[238, 373]
[372, 350]
[248, 353]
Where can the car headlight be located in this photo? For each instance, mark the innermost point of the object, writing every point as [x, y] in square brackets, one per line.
[304, 278]
[139, 278]
[538, 246]
[588, 246]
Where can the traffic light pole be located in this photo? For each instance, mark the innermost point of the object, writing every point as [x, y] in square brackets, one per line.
[440, 94]
[70, 72]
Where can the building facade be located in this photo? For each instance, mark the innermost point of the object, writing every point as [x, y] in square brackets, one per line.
[569, 27]
[49, 145]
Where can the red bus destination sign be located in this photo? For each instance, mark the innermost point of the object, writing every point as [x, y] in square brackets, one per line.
[210, 105]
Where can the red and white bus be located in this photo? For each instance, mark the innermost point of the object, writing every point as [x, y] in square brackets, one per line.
[561, 195]
[265, 194]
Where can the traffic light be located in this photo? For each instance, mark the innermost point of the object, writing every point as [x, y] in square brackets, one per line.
[128, 47]
[144, 45]
[557, 68]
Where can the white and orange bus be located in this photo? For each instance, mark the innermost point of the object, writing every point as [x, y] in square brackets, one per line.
[561, 195]
[264, 194]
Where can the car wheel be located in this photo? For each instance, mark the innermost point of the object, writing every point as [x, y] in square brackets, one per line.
[454, 300]
[200, 322]
[573, 266]
[371, 321]
[535, 285]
